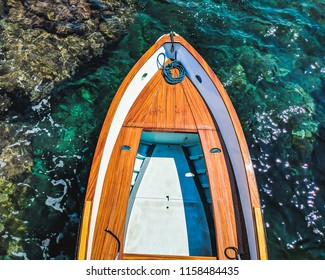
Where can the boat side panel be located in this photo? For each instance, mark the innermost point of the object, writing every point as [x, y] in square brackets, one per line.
[261, 233]
[224, 213]
[114, 199]
[82, 250]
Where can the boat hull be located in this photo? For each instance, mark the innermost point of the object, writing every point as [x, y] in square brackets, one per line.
[148, 110]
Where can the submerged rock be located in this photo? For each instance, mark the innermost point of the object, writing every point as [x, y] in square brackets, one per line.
[15, 151]
[13, 227]
[44, 42]
[4, 104]
[15, 165]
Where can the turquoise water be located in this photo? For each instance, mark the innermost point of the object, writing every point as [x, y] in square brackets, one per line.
[269, 56]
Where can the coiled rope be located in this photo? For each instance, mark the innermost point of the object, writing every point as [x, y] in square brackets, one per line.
[167, 73]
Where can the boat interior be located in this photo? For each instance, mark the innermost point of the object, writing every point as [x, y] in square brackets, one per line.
[169, 210]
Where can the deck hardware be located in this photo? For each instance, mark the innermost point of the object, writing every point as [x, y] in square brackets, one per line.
[189, 174]
[144, 76]
[199, 78]
[125, 148]
[215, 151]
[172, 39]
[118, 242]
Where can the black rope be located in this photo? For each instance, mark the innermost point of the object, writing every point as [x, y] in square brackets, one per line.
[235, 250]
[167, 73]
[118, 241]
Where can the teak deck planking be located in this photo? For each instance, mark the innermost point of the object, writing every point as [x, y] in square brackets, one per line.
[164, 107]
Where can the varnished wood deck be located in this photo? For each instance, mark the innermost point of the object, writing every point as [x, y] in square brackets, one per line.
[164, 107]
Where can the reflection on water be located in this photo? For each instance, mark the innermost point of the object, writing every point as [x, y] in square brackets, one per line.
[268, 55]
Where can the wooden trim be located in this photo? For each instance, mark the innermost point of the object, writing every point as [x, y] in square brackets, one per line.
[139, 111]
[222, 201]
[171, 104]
[82, 250]
[260, 232]
[161, 105]
[163, 257]
[115, 195]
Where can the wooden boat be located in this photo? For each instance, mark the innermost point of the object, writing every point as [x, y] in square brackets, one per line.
[172, 177]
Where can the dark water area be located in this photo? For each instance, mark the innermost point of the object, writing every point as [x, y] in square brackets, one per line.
[269, 55]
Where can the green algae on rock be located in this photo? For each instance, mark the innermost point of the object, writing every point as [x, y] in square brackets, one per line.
[44, 42]
[13, 227]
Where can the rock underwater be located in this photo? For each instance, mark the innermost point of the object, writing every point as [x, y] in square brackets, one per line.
[44, 42]
[15, 165]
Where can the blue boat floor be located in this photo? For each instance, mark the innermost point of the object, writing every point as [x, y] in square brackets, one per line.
[166, 213]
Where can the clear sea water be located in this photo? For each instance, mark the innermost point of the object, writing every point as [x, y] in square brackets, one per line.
[270, 57]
